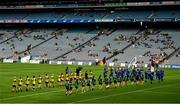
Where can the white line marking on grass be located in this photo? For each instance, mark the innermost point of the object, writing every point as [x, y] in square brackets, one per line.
[162, 92]
[30, 95]
[85, 100]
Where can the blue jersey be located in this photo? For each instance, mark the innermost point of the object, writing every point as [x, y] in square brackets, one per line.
[162, 74]
[127, 73]
[122, 73]
[149, 74]
[149, 66]
[134, 73]
[117, 73]
[138, 74]
[158, 75]
[152, 75]
[146, 75]
[105, 70]
[105, 74]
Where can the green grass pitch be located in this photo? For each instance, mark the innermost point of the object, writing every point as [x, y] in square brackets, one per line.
[165, 92]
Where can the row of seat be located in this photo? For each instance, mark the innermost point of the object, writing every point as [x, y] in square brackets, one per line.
[74, 37]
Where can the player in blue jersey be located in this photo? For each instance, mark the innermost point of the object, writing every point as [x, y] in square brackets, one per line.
[158, 76]
[162, 74]
[134, 74]
[128, 73]
[123, 76]
[105, 72]
[151, 76]
[138, 76]
[157, 72]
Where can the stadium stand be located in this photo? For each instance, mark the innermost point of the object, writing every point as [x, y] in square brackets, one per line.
[89, 51]
[154, 45]
[102, 40]
[117, 45]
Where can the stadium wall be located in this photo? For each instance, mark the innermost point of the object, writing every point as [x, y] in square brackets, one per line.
[89, 63]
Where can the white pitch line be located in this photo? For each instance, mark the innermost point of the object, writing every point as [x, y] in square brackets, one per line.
[86, 99]
[123, 93]
[162, 92]
[30, 95]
